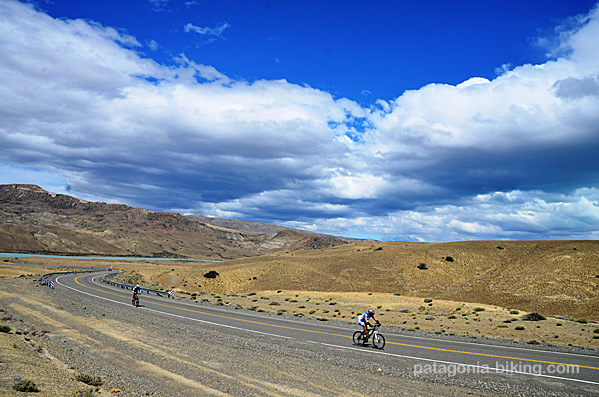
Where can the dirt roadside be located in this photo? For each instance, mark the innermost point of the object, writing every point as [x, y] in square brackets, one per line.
[56, 335]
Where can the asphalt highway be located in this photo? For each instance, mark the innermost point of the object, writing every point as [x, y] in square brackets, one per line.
[576, 373]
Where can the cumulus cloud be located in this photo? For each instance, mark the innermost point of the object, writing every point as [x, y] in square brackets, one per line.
[512, 157]
[573, 88]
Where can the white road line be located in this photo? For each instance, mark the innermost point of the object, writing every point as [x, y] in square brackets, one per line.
[536, 351]
[482, 367]
[174, 315]
[498, 370]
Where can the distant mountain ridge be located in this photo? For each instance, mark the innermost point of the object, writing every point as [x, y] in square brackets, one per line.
[244, 226]
[35, 220]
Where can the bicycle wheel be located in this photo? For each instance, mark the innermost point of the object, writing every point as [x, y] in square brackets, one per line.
[378, 340]
[358, 338]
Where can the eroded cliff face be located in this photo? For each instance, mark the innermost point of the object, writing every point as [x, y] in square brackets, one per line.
[34, 220]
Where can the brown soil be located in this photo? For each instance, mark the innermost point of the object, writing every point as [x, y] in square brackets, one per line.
[555, 278]
[559, 278]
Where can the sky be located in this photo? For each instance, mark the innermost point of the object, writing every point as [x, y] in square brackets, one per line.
[406, 121]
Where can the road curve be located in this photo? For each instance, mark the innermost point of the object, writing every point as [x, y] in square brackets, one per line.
[428, 358]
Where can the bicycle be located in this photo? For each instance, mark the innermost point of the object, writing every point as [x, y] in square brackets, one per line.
[135, 300]
[378, 340]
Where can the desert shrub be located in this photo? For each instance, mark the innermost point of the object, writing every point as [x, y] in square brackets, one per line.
[534, 316]
[273, 303]
[502, 326]
[520, 328]
[559, 324]
[449, 259]
[404, 311]
[4, 328]
[26, 385]
[582, 321]
[312, 311]
[211, 274]
[429, 318]
[427, 300]
[452, 316]
[332, 303]
[479, 309]
[595, 336]
[84, 393]
[251, 294]
[89, 379]
[379, 306]
[596, 331]
[514, 312]
[422, 266]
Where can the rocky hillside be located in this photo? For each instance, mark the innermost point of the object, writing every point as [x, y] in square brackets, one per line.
[34, 220]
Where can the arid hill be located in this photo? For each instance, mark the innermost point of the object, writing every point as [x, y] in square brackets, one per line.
[34, 220]
[552, 277]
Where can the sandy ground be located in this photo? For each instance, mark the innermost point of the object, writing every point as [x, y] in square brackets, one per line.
[411, 313]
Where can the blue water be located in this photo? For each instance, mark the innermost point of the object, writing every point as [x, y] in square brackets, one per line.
[109, 258]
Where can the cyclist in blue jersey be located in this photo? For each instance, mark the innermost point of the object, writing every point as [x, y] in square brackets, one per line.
[364, 320]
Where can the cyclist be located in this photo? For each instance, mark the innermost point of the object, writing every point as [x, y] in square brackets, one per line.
[364, 320]
[136, 291]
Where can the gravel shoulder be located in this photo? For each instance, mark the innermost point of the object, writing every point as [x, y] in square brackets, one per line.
[57, 334]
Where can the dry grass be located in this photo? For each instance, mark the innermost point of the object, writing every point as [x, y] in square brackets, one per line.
[444, 316]
[555, 278]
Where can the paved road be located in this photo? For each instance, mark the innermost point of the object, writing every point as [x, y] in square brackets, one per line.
[546, 370]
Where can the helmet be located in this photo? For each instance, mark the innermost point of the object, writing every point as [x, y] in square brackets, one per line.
[370, 311]
[137, 285]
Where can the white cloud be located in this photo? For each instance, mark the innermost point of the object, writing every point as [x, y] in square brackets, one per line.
[513, 157]
[207, 31]
[357, 186]
[158, 5]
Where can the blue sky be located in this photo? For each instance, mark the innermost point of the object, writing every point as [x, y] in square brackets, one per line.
[419, 121]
